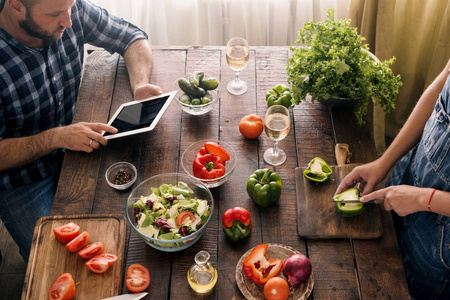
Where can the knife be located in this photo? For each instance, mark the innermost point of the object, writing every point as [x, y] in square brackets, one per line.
[127, 297]
[357, 201]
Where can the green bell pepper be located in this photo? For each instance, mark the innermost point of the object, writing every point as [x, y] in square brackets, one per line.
[349, 209]
[279, 95]
[264, 187]
[317, 170]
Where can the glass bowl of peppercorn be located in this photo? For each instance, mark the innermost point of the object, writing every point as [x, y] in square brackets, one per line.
[121, 175]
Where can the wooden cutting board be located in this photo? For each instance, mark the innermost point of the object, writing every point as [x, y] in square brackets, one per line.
[319, 219]
[49, 258]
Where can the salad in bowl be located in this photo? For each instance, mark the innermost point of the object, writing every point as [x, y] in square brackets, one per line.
[170, 216]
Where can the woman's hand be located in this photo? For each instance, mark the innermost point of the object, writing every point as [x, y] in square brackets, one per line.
[403, 199]
[367, 176]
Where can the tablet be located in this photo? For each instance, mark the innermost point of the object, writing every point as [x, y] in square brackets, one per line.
[139, 116]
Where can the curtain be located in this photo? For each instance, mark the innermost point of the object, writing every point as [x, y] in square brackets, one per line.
[214, 22]
[417, 34]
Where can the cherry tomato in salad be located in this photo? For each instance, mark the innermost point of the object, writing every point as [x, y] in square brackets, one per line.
[215, 149]
[78, 242]
[138, 278]
[276, 288]
[63, 288]
[91, 250]
[66, 233]
[184, 216]
[251, 126]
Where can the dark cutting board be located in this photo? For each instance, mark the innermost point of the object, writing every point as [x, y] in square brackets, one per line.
[49, 258]
[319, 219]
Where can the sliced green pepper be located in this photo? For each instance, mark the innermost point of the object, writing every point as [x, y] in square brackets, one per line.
[349, 209]
[279, 95]
[264, 187]
[317, 170]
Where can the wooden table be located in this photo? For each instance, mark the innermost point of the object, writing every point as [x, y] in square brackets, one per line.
[343, 268]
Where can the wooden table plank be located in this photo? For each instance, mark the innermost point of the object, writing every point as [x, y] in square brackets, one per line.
[76, 187]
[375, 259]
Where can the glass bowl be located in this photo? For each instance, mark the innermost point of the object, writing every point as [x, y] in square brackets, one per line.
[115, 169]
[144, 189]
[199, 109]
[187, 161]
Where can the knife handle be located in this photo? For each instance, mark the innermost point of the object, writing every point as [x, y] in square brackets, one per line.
[342, 153]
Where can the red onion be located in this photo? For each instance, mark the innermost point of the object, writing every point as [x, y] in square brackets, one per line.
[297, 269]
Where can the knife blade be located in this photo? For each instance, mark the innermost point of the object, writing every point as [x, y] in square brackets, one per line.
[376, 200]
[127, 297]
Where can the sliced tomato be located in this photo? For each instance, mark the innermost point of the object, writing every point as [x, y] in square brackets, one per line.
[63, 288]
[184, 217]
[67, 232]
[91, 250]
[138, 278]
[97, 265]
[215, 149]
[108, 257]
[78, 242]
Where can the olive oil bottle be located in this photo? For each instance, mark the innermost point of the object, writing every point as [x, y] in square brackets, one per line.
[202, 276]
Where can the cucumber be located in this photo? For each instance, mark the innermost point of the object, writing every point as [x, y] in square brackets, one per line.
[196, 78]
[186, 87]
[207, 98]
[196, 101]
[185, 98]
[209, 84]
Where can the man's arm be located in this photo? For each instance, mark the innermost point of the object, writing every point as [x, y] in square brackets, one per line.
[139, 61]
[20, 151]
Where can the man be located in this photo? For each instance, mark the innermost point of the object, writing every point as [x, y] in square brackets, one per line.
[419, 189]
[41, 55]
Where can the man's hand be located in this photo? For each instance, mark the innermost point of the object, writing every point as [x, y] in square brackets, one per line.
[82, 136]
[146, 90]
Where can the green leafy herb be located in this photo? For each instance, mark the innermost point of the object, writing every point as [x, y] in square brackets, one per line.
[334, 63]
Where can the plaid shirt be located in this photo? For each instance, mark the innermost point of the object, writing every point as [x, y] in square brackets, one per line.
[39, 87]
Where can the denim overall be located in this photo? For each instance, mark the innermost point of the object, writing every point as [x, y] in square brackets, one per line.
[425, 238]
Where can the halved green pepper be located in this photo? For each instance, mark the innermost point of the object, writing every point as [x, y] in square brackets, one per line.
[349, 209]
[279, 95]
[317, 170]
[264, 187]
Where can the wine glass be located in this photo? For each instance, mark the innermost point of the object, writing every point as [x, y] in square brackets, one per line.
[276, 125]
[237, 59]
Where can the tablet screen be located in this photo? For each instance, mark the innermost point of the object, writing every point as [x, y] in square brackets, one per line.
[137, 115]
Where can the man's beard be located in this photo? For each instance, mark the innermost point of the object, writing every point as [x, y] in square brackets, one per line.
[33, 29]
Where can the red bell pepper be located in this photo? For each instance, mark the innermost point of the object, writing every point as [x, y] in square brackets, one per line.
[207, 165]
[236, 223]
[259, 268]
[218, 150]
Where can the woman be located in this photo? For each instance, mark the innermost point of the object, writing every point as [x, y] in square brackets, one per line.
[418, 189]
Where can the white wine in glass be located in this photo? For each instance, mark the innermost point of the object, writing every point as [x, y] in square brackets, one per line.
[277, 123]
[237, 58]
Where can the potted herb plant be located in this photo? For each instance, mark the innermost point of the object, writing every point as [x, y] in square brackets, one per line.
[334, 63]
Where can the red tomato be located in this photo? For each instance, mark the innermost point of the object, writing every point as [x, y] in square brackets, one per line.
[91, 250]
[108, 257]
[215, 149]
[63, 288]
[138, 278]
[251, 126]
[184, 217]
[78, 242]
[67, 232]
[276, 288]
[97, 265]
